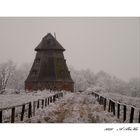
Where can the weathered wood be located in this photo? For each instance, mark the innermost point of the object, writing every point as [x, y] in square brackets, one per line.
[56, 95]
[48, 100]
[51, 99]
[139, 117]
[30, 110]
[42, 103]
[45, 101]
[131, 115]
[34, 107]
[124, 112]
[113, 107]
[118, 111]
[38, 103]
[104, 103]
[109, 106]
[13, 115]
[98, 98]
[1, 116]
[22, 112]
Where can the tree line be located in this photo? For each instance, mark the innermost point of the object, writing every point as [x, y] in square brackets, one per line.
[13, 77]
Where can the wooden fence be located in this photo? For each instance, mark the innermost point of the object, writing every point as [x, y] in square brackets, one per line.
[29, 108]
[114, 106]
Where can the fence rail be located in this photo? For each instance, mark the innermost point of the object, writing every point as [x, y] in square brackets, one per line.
[114, 107]
[31, 108]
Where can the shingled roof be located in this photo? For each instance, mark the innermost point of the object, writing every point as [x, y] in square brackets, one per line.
[49, 65]
[49, 43]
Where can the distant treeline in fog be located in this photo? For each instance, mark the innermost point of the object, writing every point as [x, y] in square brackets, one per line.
[13, 77]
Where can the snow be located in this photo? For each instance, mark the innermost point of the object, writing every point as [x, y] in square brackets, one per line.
[79, 107]
[7, 100]
[73, 108]
[132, 101]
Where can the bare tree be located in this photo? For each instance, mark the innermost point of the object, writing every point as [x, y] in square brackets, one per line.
[6, 71]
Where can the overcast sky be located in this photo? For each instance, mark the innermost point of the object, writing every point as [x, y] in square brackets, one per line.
[108, 44]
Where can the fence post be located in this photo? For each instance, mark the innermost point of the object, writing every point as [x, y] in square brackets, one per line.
[30, 110]
[139, 116]
[45, 101]
[48, 100]
[97, 98]
[38, 103]
[1, 116]
[118, 111]
[13, 115]
[34, 105]
[124, 112]
[104, 103]
[22, 112]
[56, 95]
[113, 107]
[53, 98]
[131, 115]
[109, 106]
[42, 103]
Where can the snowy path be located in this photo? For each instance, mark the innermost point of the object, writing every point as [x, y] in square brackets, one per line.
[74, 108]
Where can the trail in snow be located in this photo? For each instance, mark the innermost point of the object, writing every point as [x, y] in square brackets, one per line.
[74, 108]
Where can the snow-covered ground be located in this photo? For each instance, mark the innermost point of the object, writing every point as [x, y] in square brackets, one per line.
[74, 108]
[7, 100]
[134, 101]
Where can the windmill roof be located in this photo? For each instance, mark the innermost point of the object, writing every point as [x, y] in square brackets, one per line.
[49, 42]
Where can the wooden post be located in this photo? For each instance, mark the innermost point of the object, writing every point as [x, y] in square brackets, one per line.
[13, 115]
[131, 115]
[56, 95]
[113, 107]
[45, 101]
[118, 111]
[98, 98]
[1, 116]
[48, 100]
[38, 103]
[42, 103]
[22, 112]
[139, 116]
[104, 103]
[109, 106]
[124, 113]
[34, 105]
[30, 110]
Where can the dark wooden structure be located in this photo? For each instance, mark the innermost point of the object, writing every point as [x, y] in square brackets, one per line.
[49, 70]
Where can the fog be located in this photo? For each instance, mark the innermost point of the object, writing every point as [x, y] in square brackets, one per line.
[108, 44]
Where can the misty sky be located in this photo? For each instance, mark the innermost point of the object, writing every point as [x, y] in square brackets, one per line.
[108, 44]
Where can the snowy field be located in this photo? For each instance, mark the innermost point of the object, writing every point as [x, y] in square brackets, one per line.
[7, 100]
[134, 101]
[73, 108]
